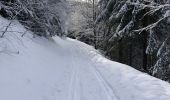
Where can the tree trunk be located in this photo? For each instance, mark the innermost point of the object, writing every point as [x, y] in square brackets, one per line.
[94, 26]
[130, 54]
[120, 50]
[145, 56]
[145, 22]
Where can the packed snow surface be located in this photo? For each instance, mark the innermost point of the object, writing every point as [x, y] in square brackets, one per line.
[66, 69]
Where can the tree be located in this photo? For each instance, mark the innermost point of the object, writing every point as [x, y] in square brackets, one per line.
[146, 21]
[80, 23]
[43, 17]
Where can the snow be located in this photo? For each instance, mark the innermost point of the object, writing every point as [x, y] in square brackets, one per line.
[66, 69]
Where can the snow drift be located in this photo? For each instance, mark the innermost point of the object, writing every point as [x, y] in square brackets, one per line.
[66, 69]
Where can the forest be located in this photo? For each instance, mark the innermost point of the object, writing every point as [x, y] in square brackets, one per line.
[84, 49]
[136, 32]
[132, 32]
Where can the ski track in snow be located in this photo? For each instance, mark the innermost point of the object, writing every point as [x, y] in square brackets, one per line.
[74, 82]
[109, 93]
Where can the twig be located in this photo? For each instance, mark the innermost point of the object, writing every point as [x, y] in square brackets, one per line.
[6, 29]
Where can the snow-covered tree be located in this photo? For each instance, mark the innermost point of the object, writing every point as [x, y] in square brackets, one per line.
[43, 17]
[161, 68]
[80, 22]
[148, 19]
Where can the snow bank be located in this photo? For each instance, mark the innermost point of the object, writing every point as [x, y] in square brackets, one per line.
[125, 82]
[66, 69]
[32, 68]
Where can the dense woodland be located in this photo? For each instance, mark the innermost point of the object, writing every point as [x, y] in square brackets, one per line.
[133, 32]
[136, 32]
[43, 17]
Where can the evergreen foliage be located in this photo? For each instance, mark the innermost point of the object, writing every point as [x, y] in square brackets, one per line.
[43, 17]
[146, 22]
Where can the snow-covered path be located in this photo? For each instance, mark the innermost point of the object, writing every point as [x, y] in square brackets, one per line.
[66, 69]
[98, 78]
[86, 82]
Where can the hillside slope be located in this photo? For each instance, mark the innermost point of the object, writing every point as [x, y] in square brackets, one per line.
[66, 69]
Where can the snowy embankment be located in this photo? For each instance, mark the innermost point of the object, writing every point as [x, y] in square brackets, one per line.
[66, 69]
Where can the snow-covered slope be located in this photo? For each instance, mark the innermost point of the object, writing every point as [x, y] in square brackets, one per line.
[66, 69]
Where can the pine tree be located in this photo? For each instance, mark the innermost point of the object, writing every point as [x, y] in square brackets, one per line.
[147, 21]
[42, 17]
